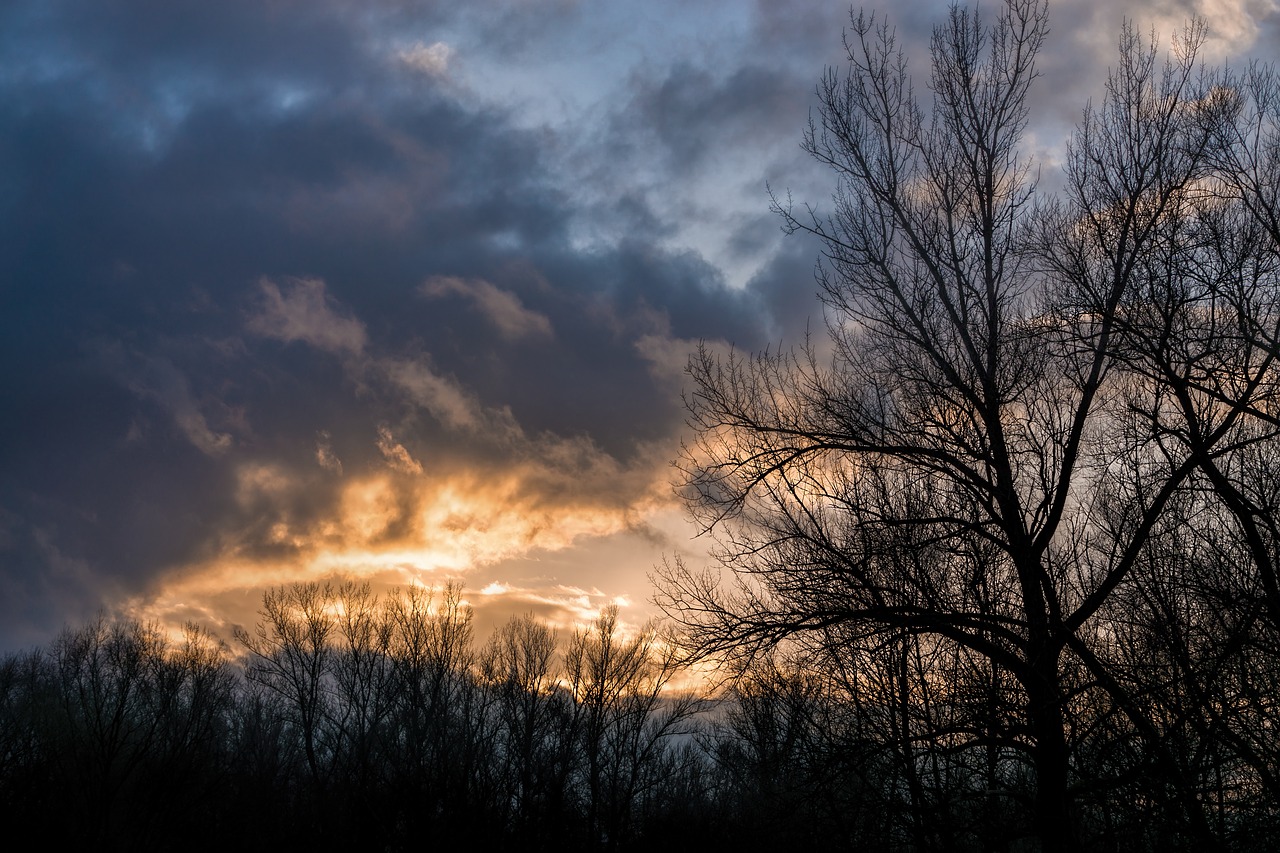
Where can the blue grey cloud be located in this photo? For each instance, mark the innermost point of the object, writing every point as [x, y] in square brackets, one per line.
[255, 251]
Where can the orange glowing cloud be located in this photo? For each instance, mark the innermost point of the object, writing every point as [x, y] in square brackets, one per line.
[403, 525]
[452, 490]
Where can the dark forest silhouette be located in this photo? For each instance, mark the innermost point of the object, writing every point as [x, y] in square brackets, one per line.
[363, 722]
[353, 721]
[998, 556]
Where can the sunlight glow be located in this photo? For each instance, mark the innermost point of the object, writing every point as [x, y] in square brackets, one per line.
[396, 529]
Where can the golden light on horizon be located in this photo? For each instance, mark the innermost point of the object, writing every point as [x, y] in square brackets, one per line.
[394, 529]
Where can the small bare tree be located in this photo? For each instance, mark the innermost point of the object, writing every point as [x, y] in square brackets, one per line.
[531, 714]
[622, 720]
[291, 653]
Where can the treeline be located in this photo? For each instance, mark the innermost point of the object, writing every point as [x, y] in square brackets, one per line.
[345, 720]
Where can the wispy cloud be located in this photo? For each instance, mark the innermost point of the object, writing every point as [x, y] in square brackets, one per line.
[398, 459]
[325, 456]
[501, 307]
[160, 381]
[304, 312]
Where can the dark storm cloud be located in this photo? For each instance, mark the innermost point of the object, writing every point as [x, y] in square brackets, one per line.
[170, 169]
[292, 276]
[692, 114]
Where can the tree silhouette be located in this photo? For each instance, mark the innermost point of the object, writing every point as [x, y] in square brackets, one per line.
[621, 720]
[1019, 406]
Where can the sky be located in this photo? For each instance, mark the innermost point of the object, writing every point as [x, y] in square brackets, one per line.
[403, 290]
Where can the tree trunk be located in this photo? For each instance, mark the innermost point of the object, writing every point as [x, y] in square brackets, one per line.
[1052, 817]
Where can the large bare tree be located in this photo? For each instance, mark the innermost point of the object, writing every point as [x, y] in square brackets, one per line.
[1014, 399]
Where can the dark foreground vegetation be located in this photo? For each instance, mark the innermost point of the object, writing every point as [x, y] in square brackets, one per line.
[348, 721]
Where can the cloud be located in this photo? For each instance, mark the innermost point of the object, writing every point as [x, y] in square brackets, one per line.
[304, 312]
[502, 308]
[325, 456]
[451, 405]
[398, 459]
[479, 521]
[259, 484]
[230, 275]
[430, 59]
[667, 357]
[158, 380]
[222, 219]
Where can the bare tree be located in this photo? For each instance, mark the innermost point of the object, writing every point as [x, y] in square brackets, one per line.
[622, 720]
[127, 729]
[531, 716]
[291, 653]
[1012, 401]
[363, 699]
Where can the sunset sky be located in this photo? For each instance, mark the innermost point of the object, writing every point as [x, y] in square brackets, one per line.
[403, 290]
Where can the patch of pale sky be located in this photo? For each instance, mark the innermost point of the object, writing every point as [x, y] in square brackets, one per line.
[561, 80]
